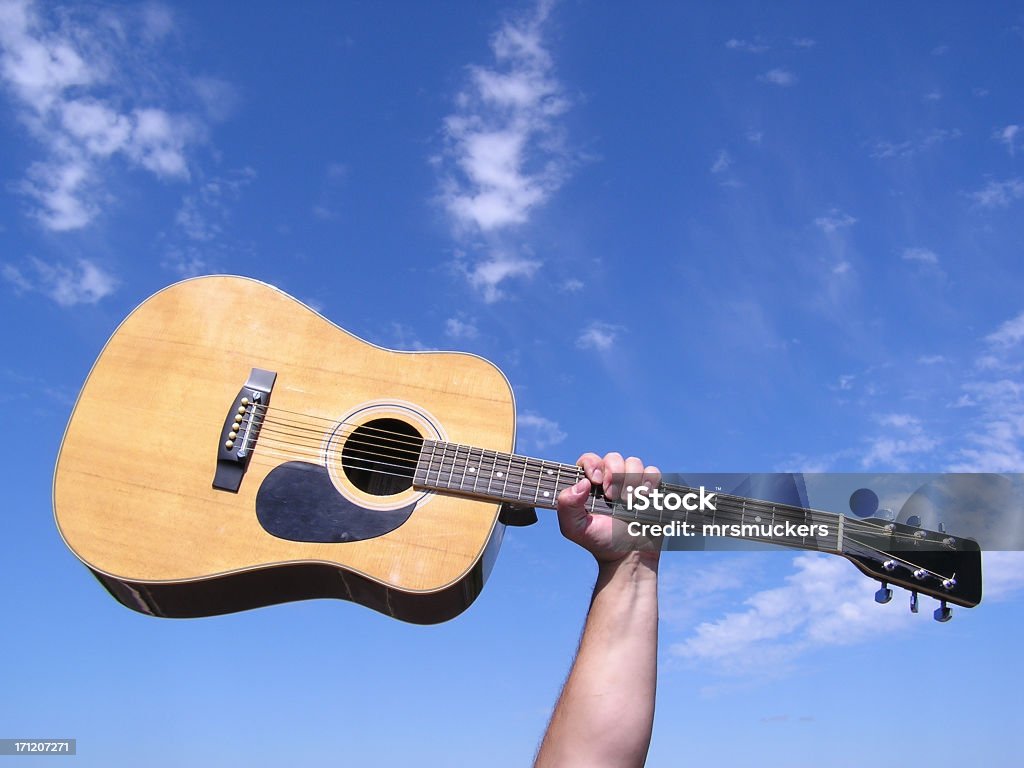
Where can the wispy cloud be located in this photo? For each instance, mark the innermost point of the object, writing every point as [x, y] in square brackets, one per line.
[998, 194]
[824, 602]
[748, 46]
[834, 221]
[1004, 574]
[994, 441]
[901, 443]
[922, 142]
[1009, 333]
[198, 245]
[457, 328]
[487, 274]
[921, 255]
[82, 283]
[1008, 136]
[504, 153]
[598, 336]
[723, 161]
[804, 42]
[65, 76]
[538, 433]
[778, 76]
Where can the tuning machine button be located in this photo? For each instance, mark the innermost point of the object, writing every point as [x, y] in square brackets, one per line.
[913, 602]
[949, 583]
[883, 595]
[889, 565]
[920, 574]
[943, 613]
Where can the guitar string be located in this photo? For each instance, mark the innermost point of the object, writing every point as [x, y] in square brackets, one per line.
[534, 474]
[796, 516]
[853, 524]
[367, 460]
[726, 517]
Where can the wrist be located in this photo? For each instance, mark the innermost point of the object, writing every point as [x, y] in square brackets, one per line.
[634, 566]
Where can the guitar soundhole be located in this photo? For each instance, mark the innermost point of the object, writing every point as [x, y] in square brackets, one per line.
[380, 456]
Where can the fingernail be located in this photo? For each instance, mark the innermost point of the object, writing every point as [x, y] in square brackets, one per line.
[597, 475]
[580, 487]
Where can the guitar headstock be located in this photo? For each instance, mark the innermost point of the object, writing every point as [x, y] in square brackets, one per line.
[933, 563]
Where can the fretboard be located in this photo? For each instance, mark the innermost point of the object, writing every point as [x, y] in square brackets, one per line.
[506, 477]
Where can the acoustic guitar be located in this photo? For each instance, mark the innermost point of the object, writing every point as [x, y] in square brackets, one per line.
[231, 448]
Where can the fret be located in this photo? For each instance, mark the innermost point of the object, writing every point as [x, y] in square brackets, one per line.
[454, 462]
[501, 476]
[490, 473]
[475, 455]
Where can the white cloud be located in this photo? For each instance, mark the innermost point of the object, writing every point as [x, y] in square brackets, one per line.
[83, 283]
[503, 141]
[922, 255]
[1009, 333]
[1003, 574]
[70, 90]
[504, 154]
[572, 285]
[931, 359]
[804, 42]
[995, 440]
[778, 76]
[1008, 136]
[911, 147]
[598, 336]
[204, 212]
[488, 275]
[998, 194]
[895, 451]
[455, 328]
[757, 46]
[538, 432]
[824, 602]
[722, 162]
[834, 220]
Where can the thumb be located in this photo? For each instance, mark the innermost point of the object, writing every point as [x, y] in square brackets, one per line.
[572, 510]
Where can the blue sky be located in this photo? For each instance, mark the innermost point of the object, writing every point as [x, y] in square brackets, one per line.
[724, 237]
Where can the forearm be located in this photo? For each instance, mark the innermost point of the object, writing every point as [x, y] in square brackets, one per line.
[605, 713]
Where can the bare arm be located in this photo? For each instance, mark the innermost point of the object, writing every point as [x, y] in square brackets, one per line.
[606, 711]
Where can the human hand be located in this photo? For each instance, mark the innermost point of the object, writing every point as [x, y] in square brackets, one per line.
[602, 535]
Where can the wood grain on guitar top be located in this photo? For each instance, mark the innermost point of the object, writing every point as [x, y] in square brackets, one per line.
[132, 490]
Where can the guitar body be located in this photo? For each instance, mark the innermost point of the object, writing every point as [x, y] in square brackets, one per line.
[134, 494]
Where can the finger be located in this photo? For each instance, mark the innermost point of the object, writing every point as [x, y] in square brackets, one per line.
[634, 473]
[593, 467]
[572, 510]
[651, 477]
[614, 467]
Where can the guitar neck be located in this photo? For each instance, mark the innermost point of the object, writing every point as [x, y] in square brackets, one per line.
[510, 478]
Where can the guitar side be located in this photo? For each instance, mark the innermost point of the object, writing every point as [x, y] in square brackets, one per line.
[133, 494]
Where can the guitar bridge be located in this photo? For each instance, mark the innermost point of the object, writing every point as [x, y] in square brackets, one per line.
[242, 429]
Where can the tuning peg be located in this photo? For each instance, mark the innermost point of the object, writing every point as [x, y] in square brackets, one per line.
[913, 602]
[943, 613]
[884, 595]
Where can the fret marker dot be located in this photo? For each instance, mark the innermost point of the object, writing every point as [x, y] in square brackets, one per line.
[472, 469]
[546, 494]
[550, 472]
[757, 519]
[498, 474]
